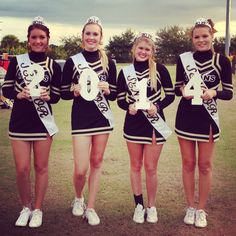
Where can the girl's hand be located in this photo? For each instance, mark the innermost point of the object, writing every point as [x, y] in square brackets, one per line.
[132, 109]
[76, 90]
[104, 86]
[24, 94]
[152, 111]
[44, 94]
[208, 94]
[184, 95]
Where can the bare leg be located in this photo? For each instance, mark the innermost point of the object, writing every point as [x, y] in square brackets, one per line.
[205, 159]
[188, 149]
[22, 154]
[136, 162]
[151, 156]
[81, 150]
[99, 143]
[41, 156]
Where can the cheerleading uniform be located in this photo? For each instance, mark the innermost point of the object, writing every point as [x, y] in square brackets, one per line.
[137, 128]
[25, 123]
[86, 118]
[193, 122]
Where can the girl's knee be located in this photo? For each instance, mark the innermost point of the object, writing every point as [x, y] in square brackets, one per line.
[41, 170]
[189, 166]
[96, 161]
[205, 167]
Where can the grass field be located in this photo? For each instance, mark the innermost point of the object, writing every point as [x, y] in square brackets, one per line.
[114, 201]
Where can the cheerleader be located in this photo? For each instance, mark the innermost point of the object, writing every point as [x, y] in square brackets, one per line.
[197, 123]
[33, 81]
[139, 94]
[91, 117]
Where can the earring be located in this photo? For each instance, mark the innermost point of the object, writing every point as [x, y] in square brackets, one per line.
[29, 46]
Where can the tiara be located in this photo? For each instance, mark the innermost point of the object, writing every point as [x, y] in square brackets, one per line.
[144, 35]
[38, 20]
[95, 20]
[202, 21]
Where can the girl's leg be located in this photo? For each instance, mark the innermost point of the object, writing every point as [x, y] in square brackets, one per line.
[81, 150]
[205, 159]
[136, 162]
[188, 149]
[151, 156]
[41, 155]
[22, 153]
[99, 143]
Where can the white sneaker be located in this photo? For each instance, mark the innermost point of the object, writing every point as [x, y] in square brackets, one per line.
[138, 216]
[78, 206]
[152, 214]
[24, 217]
[92, 217]
[200, 220]
[190, 216]
[36, 219]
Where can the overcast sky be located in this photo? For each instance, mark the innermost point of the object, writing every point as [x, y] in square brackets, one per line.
[66, 17]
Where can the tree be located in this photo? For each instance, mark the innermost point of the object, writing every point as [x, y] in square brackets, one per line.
[119, 47]
[219, 45]
[57, 52]
[9, 43]
[71, 45]
[233, 45]
[171, 42]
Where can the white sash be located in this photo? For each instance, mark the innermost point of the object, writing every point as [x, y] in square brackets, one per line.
[191, 70]
[100, 101]
[41, 106]
[156, 121]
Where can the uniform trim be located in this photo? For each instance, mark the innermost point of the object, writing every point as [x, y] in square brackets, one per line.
[92, 131]
[143, 74]
[79, 133]
[156, 96]
[143, 140]
[227, 86]
[65, 88]
[8, 83]
[196, 137]
[27, 136]
[191, 134]
[113, 87]
[179, 84]
[27, 139]
[170, 93]
[121, 96]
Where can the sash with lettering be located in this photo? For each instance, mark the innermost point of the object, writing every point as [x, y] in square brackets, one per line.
[41, 106]
[156, 121]
[100, 101]
[191, 70]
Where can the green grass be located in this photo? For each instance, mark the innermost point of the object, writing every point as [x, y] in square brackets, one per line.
[114, 201]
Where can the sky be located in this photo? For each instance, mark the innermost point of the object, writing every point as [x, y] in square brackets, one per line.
[66, 18]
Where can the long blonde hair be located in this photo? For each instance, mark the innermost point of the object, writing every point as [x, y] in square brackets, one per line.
[102, 53]
[151, 60]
